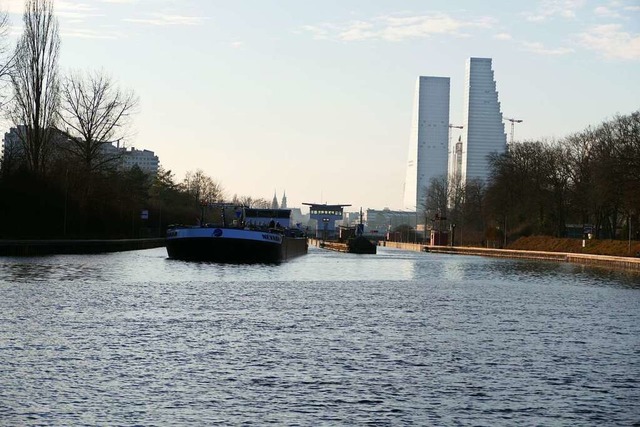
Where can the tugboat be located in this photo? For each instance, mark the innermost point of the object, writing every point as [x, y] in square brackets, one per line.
[360, 244]
[241, 235]
[351, 240]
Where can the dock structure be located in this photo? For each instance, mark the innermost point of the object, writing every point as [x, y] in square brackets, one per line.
[354, 245]
[334, 246]
[326, 216]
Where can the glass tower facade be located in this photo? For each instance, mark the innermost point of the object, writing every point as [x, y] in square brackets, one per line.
[483, 131]
[428, 143]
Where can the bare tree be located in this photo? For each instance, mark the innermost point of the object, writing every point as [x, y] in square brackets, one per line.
[35, 82]
[94, 112]
[437, 197]
[202, 188]
[251, 202]
[6, 57]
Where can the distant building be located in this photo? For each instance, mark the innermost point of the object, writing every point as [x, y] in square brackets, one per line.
[13, 152]
[325, 217]
[380, 222]
[146, 160]
[428, 144]
[430, 155]
[274, 202]
[297, 217]
[483, 132]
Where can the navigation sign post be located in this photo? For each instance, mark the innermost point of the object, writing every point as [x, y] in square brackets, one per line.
[587, 233]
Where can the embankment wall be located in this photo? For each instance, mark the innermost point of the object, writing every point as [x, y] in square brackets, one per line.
[629, 263]
[50, 247]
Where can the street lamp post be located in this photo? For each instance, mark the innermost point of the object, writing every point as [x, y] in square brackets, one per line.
[453, 234]
[325, 226]
[629, 226]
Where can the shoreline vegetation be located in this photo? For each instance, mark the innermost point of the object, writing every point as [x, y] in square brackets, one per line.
[604, 253]
[606, 247]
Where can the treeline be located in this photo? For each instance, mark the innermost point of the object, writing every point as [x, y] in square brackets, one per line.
[60, 176]
[66, 203]
[589, 180]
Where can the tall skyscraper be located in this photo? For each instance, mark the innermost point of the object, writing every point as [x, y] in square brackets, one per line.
[429, 138]
[483, 131]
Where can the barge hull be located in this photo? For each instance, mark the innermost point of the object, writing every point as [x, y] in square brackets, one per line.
[235, 251]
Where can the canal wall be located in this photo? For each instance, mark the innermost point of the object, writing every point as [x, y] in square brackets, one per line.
[629, 263]
[51, 247]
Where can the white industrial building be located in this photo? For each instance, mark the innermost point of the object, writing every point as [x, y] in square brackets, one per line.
[428, 144]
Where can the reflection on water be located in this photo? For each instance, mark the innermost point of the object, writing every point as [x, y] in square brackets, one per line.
[399, 337]
[48, 269]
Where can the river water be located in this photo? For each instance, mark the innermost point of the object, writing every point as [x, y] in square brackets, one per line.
[397, 338]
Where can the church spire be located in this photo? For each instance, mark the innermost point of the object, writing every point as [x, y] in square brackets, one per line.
[283, 204]
[274, 202]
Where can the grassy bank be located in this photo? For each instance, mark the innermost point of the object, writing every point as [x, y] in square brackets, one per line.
[594, 247]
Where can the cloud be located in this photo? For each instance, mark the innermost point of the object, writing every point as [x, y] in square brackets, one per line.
[319, 32]
[168, 19]
[398, 28]
[83, 33]
[358, 30]
[502, 36]
[611, 41]
[13, 6]
[555, 8]
[607, 12]
[62, 8]
[539, 48]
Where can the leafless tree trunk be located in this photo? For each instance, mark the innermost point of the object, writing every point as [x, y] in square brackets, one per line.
[35, 82]
[94, 113]
[6, 57]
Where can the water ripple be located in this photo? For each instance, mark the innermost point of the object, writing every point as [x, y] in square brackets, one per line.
[328, 339]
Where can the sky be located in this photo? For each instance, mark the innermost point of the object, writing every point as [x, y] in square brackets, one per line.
[314, 98]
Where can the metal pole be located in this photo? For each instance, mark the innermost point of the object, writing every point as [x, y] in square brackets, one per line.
[505, 231]
[629, 223]
[66, 197]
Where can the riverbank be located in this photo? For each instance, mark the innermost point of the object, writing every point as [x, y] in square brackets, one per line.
[622, 248]
[628, 263]
[52, 247]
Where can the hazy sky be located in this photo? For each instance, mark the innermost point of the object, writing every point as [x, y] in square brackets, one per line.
[314, 97]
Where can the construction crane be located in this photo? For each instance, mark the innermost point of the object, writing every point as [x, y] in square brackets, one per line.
[451, 127]
[513, 123]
